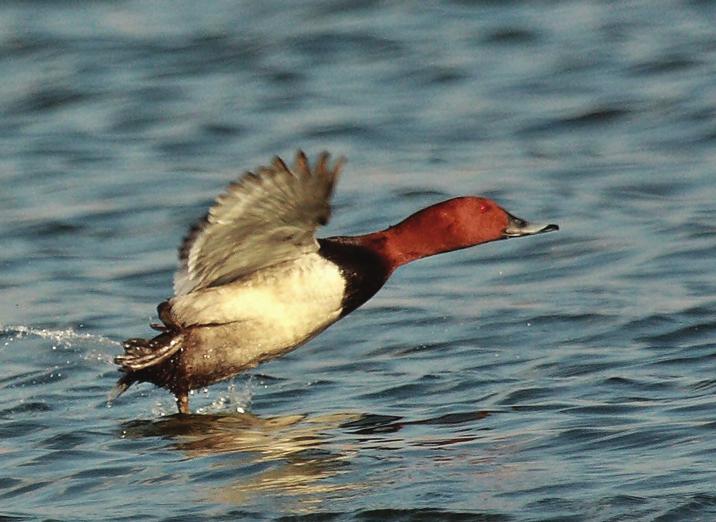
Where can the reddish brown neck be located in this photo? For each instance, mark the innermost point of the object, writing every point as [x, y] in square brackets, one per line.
[450, 225]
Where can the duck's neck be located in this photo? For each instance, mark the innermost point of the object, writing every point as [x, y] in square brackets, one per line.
[440, 228]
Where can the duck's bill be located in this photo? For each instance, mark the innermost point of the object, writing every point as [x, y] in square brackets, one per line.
[517, 227]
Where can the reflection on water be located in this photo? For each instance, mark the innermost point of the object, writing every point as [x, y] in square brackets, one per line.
[301, 459]
[293, 453]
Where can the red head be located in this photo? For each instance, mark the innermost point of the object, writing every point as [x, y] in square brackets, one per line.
[451, 225]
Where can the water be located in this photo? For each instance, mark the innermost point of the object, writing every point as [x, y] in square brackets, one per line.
[568, 376]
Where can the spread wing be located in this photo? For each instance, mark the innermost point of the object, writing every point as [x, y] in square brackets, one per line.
[262, 219]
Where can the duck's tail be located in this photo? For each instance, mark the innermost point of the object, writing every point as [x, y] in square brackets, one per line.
[124, 382]
[143, 354]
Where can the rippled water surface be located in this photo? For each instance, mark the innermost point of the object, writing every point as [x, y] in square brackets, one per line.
[568, 376]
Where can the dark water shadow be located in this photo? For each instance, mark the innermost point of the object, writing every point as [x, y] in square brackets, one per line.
[277, 437]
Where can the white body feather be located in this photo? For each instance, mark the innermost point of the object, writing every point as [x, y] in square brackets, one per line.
[288, 303]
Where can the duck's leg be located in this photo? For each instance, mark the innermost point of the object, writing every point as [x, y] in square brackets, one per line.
[183, 402]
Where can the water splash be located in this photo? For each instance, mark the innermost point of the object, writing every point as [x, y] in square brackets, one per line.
[163, 407]
[61, 338]
[64, 337]
[235, 399]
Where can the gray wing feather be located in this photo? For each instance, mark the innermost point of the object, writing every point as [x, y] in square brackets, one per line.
[262, 219]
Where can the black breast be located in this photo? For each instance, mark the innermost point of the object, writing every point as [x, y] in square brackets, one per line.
[365, 271]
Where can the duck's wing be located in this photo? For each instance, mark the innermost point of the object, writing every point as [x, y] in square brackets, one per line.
[262, 219]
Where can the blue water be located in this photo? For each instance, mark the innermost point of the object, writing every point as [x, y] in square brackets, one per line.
[568, 376]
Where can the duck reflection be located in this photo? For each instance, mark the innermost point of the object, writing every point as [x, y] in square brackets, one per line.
[291, 455]
[302, 459]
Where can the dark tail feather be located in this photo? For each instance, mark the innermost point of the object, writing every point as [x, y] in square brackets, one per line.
[140, 354]
[124, 382]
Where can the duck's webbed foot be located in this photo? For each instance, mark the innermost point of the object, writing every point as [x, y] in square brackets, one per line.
[183, 402]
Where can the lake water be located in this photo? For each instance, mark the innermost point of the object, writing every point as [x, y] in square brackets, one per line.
[568, 376]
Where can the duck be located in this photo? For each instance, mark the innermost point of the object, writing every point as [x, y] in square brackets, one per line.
[254, 282]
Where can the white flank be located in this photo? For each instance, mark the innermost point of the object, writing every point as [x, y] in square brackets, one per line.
[291, 301]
